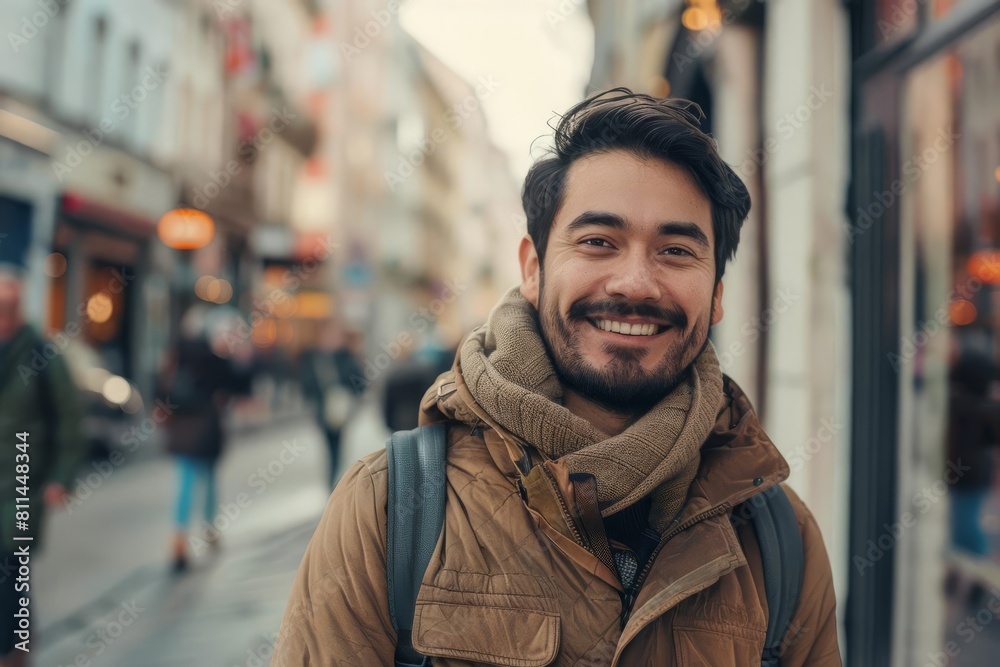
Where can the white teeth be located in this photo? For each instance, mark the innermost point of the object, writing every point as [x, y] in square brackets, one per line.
[628, 329]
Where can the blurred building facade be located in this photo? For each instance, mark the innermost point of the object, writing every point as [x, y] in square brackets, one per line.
[924, 207]
[851, 295]
[347, 172]
[83, 100]
[421, 199]
[115, 113]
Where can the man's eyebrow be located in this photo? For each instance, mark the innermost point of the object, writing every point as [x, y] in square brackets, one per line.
[688, 229]
[602, 218]
[606, 219]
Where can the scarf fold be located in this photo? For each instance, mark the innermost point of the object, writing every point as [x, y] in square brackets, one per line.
[508, 371]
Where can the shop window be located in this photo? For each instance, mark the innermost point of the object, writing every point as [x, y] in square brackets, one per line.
[949, 361]
[15, 230]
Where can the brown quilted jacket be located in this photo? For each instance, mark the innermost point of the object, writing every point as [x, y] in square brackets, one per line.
[509, 583]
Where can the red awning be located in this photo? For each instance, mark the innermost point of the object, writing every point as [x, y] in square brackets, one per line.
[109, 217]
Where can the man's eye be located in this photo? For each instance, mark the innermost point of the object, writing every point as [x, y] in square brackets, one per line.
[597, 243]
[680, 252]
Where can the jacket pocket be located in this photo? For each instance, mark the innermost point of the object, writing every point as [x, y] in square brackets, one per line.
[486, 634]
[698, 647]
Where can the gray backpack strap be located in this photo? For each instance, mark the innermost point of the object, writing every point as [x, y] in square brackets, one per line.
[783, 560]
[416, 515]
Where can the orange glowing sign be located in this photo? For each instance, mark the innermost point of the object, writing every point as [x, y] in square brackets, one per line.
[186, 229]
[985, 265]
[313, 305]
[962, 312]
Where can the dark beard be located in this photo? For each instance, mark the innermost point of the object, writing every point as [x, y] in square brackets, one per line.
[621, 386]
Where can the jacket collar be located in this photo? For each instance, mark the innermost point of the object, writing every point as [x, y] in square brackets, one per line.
[738, 460]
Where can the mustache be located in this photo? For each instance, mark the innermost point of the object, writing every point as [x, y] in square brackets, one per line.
[587, 309]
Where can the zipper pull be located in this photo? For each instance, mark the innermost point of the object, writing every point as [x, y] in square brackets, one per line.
[628, 599]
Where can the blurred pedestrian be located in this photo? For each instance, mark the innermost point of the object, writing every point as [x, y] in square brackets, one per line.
[199, 382]
[407, 383]
[972, 436]
[39, 400]
[327, 373]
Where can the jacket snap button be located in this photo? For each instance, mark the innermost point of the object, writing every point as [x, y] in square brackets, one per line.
[757, 481]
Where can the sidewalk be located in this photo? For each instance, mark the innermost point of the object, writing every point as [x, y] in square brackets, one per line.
[105, 598]
[103, 592]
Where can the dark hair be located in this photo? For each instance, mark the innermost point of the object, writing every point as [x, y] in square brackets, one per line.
[666, 129]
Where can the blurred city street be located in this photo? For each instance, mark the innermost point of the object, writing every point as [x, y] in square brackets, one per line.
[238, 237]
[110, 554]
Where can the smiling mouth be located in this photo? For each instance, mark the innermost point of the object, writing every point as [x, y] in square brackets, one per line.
[626, 329]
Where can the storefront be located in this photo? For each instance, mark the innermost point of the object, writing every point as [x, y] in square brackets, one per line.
[27, 203]
[925, 265]
[103, 265]
[97, 252]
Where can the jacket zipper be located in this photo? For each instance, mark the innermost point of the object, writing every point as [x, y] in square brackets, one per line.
[629, 598]
[577, 535]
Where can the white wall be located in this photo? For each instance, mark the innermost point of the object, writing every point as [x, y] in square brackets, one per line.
[738, 337]
[806, 118]
[89, 95]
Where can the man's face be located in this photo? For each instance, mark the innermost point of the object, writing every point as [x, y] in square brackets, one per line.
[632, 244]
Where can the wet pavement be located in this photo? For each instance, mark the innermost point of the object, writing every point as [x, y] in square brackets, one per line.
[104, 595]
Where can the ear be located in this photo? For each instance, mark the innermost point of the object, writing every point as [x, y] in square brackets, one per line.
[717, 304]
[530, 269]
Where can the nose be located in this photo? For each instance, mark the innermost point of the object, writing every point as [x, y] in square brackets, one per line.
[634, 279]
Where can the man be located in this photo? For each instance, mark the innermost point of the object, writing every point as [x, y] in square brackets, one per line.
[587, 419]
[37, 398]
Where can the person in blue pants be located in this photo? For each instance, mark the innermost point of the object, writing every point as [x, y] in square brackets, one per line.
[200, 385]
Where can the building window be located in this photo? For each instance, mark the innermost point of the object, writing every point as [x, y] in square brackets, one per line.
[130, 79]
[94, 75]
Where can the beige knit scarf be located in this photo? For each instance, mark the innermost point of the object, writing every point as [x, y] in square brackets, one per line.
[506, 366]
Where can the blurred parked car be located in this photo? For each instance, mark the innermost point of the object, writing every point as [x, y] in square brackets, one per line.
[112, 404]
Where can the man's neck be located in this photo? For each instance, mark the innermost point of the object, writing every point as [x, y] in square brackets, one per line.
[604, 420]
